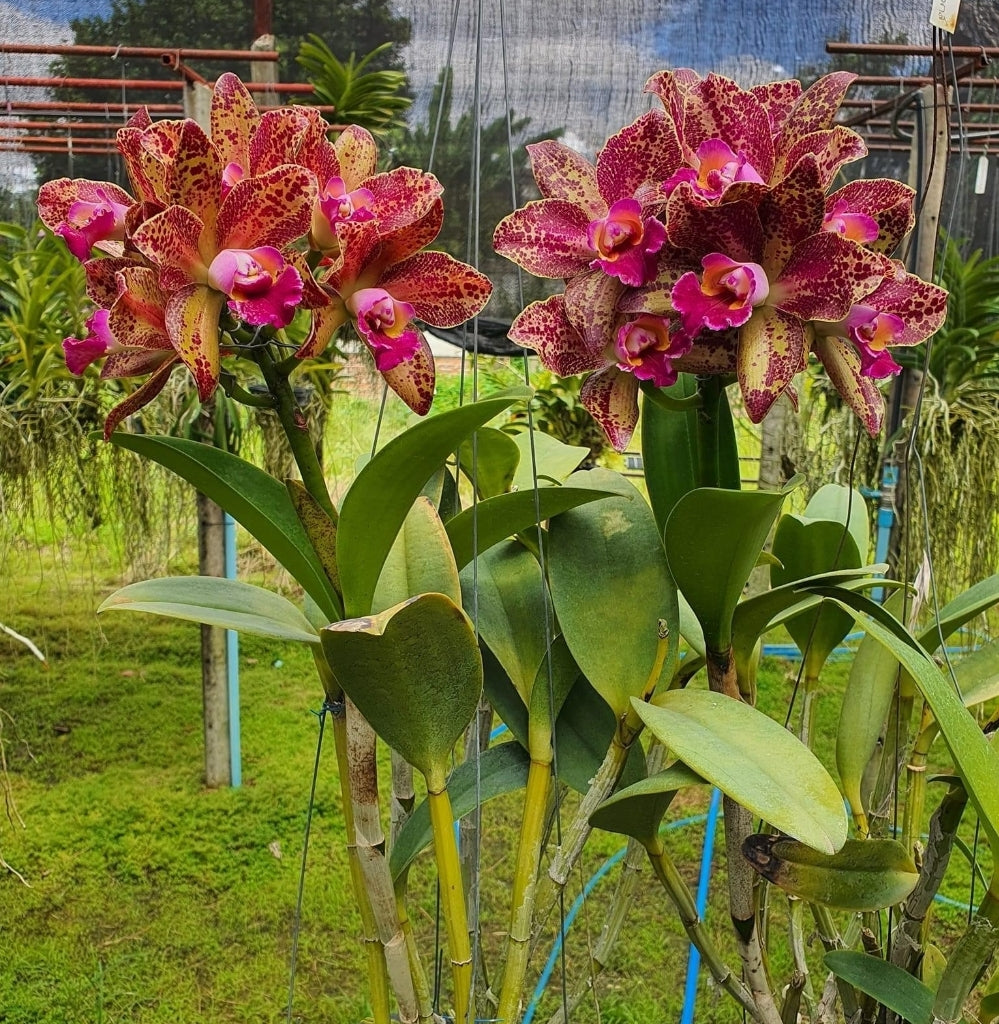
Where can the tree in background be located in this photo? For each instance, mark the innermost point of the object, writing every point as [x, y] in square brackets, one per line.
[453, 163]
[346, 26]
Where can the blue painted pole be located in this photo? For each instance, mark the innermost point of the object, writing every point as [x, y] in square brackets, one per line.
[232, 663]
[886, 517]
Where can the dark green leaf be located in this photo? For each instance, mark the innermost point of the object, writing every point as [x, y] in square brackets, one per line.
[891, 986]
[638, 809]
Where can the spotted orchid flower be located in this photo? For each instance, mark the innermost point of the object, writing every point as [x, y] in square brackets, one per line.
[86, 214]
[382, 284]
[596, 218]
[855, 351]
[736, 143]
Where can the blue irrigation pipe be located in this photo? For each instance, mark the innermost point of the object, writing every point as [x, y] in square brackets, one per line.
[703, 882]
[232, 663]
[577, 904]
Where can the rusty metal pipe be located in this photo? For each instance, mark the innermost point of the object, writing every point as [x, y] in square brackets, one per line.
[906, 50]
[164, 85]
[153, 52]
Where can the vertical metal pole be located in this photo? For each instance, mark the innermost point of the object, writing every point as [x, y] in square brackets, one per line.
[232, 665]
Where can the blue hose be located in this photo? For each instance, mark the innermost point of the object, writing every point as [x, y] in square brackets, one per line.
[703, 881]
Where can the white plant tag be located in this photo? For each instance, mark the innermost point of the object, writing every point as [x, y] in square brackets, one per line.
[981, 175]
[943, 14]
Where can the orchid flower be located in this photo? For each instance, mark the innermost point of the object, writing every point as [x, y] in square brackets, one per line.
[382, 283]
[86, 214]
[599, 218]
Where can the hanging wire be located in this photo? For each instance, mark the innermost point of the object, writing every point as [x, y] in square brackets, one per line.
[296, 927]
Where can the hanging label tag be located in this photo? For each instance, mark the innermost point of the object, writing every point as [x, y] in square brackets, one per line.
[943, 14]
[981, 175]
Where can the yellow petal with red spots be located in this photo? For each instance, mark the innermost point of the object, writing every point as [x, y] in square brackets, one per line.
[413, 380]
[861, 394]
[234, 116]
[196, 174]
[170, 240]
[192, 322]
[273, 209]
[326, 321]
[357, 154]
[771, 352]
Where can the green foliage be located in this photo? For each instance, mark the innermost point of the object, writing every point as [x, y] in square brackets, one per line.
[373, 99]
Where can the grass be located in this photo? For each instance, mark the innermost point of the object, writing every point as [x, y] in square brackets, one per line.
[151, 899]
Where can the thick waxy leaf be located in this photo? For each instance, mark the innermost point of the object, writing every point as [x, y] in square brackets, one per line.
[556, 676]
[638, 810]
[489, 458]
[505, 594]
[414, 673]
[321, 529]
[864, 875]
[752, 759]
[381, 495]
[978, 675]
[495, 519]
[500, 769]
[252, 497]
[551, 462]
[682, 450]
[977, 762]
[889, 985]
[975, 600]
[420, 561]
[842, 505]
[806, 547]
[713, 539]
[866, 702]
[215, 601]
[611, 590]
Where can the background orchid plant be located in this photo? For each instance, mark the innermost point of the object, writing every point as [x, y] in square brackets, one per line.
[707, 239]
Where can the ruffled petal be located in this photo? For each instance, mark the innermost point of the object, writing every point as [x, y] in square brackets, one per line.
[548, 238]
[443, 291]
[234, 115]
[273, 209]
[544, 327]
[591, 306]
[831, 150]
[888, 202]
[733, 228]
[791, 212]
[357, 154]
[638, 159]
[562, 173]
[778, 99]
[402, 197]
[279, 138]
[170, 240]
[817, 107]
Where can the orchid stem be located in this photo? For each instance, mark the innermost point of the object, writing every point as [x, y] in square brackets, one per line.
[296, 429]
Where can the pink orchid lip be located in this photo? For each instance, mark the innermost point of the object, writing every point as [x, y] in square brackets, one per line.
[646, 348]
[716, 167]
[626, 242]
[262, 287]
[725, 297]
[852, 224]
[81, 352]
[386, 325]
[872, 332]
[338, 204]
[88, 223]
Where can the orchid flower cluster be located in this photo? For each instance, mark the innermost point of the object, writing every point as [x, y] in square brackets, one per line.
[705, 239]
[229, 233]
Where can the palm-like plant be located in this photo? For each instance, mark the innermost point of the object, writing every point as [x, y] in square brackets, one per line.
[373, 99]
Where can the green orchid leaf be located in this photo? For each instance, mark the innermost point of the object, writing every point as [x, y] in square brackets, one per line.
[865, 875]
[384, 490]
[258, 502]
[976, 761]
[495, 519]
[840, 504]
[215, 601]
[544, 458]
[500, 769]
[489, 458]
[866, 702]
[415, 674]
[975, 600]
[419, 561]
[977, 674]
[504, 697]
[932, 966]
[752, 759]
[891, 986]
[637, 810]
[611, 590]
[713, 539]
[504, 591]
[690, 628]
[321, 529]
[805, 548]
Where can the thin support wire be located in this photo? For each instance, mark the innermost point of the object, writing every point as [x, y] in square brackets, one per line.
[296, 928]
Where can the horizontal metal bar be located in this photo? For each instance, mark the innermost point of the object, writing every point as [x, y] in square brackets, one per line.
[153, 52]
[164, 85]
